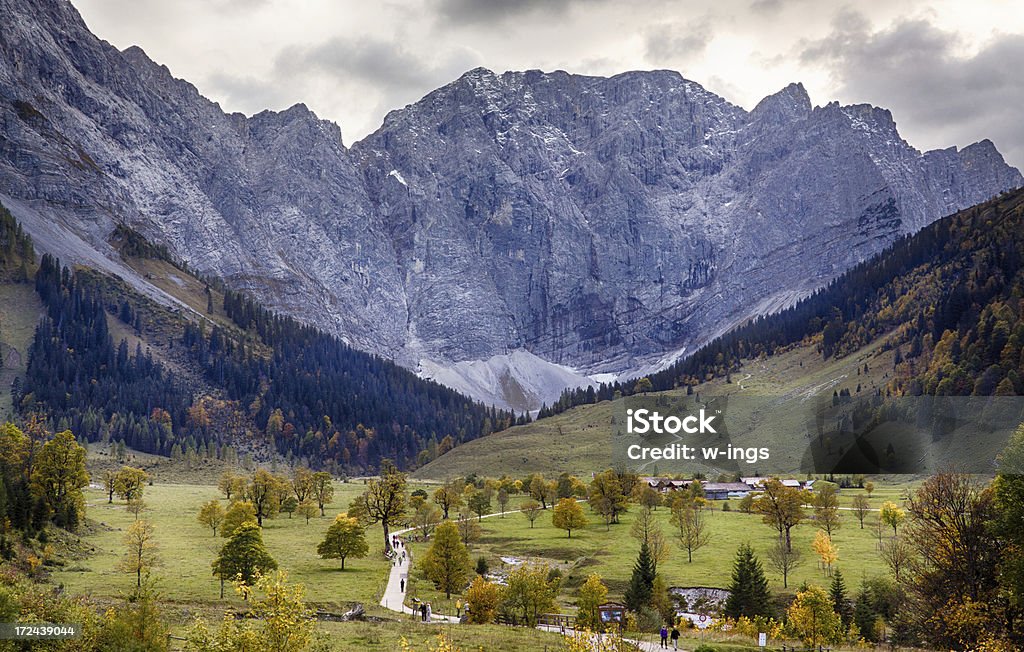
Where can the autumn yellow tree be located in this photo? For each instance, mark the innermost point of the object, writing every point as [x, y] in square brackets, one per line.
[211, 514]
[482, 597]
[59, 475]
[141, 551]
[826, 550]
[812, 618]
[568, 516]
[446, 562]
[892, 515]
[591, 595]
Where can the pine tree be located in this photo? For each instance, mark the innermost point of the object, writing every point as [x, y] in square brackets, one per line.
[840, 602]
[641, 584]
[748, 593]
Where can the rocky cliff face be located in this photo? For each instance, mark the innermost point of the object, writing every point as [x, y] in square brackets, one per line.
[598, 223]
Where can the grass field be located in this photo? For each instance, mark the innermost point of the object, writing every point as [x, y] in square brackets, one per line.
[771, 397]
[187, 548]
[612, 552]
[188, 589]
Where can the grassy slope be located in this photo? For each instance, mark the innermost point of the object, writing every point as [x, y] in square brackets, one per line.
[20, 311]
[579, 440]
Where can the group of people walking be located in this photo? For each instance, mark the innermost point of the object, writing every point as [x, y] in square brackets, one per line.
[665, 636]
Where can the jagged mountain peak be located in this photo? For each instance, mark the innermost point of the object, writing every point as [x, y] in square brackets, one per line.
[789, 104]
[597, 223]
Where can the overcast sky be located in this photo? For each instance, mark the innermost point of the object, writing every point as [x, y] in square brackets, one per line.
[948, 70]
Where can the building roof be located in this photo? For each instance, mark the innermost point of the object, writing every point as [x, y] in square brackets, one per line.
[726, 486]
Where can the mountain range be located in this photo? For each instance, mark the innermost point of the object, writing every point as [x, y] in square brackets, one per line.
[508, 234]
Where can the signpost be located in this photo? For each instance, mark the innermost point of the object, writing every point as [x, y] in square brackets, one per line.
[762, 639]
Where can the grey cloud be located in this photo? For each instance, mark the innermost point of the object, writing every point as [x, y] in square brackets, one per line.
[914, 69]
[472, 12]
[669, 42]
[385, 64]
[251, 94]
[766, 6]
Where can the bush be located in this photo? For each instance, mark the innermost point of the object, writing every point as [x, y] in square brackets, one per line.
[481, 566]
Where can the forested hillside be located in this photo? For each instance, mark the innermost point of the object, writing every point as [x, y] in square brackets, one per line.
[264, 377]
[952, 294]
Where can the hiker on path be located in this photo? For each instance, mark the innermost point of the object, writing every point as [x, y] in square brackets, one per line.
[664, 637]
[402, 586]
[423, 611]
[458, 608]
[429, 614]
[675, 638]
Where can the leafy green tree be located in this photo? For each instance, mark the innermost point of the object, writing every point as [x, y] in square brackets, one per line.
[239, 512]
[542, 490]
[211, 514]
[781, 507]
[861, 506]
[690, 528]
[59, 475]
[136, 626]
[956, 563]
[1008, 495]
[826, 506]
[748, 591]
[531, 509]
[384, 501]
[606, 496]
[641, 583]
[426, 518]
[568, 516]
[344, 538]
[289, 505]
[480, 503]
[323, 488]
[130, 482]
[265, 492]
[243, 557]
[307, 509]
[528, 593]
[449, 497]
[302, 483]
[446, 562]
[282, 621]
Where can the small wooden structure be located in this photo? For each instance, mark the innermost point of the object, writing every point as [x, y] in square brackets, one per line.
[612, 615]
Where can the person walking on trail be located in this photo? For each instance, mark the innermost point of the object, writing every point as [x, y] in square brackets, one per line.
[423, 611]
[664, 637]
[429, 614]
[401, 585]
[675, 638]
[458, 608]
